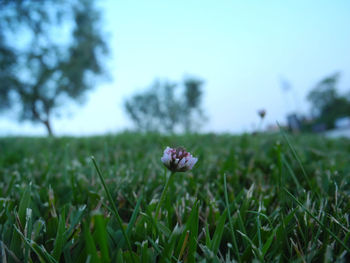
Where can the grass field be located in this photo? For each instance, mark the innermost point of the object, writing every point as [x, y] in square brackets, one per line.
[263, 198]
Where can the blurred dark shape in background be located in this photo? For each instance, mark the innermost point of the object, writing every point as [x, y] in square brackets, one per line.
[164, 108]
[328, 108]
[59, 59]
[262, 113]
[293, 121]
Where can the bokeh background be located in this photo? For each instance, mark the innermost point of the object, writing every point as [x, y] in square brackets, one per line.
[250, 55]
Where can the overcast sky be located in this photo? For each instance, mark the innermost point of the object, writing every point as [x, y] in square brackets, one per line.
[242, 49]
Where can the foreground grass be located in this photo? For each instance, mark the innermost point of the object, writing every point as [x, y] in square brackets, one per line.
[248, 198]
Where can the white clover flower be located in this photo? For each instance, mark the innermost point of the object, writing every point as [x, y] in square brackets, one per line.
[178, 160]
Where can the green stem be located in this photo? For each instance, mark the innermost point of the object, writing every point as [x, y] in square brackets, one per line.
[162, 197]
[109, 196]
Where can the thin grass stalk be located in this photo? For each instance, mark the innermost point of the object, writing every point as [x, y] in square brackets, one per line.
[296, 156]
[120, 221]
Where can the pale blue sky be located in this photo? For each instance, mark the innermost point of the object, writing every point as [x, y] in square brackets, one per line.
[241, 48]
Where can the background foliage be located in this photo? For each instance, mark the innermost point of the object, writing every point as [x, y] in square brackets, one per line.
[164, 108]
[50, 52]
[327, 105]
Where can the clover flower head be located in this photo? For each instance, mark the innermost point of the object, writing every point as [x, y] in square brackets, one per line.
[262, 113]
[178, 159]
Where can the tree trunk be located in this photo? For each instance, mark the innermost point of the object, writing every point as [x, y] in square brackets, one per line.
[48, 127]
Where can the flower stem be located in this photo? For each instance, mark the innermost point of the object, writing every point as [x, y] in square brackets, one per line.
[114, 208]
[162, 197]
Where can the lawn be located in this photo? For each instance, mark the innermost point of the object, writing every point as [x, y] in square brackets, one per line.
[272, 198]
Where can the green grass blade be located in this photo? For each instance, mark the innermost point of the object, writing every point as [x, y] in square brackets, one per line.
[120, 221]
[268, 242]
[318, 221]
[170, 243]
[291, 172]
[296, 156]
[193, 228]
[133, 216]
[119, 257]
[21, 221]
[145, 252]
[258, 227]
[215, 243]
[230, 222]
[102, 237]
[10, 185]
[90, 246]
[163, 229]
[40, 251]
[24, 204]
[207, 236]
[75, 220]
[255, 249]
[60, 237]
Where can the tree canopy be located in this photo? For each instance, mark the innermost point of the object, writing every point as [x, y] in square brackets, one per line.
[168, 106]
[327, 104]
[50, 52]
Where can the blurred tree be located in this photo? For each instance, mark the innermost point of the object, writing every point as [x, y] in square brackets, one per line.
[327, 104]
[57, 56]
[162, 108]
[193, 113]
[323, 94]
[143, 107]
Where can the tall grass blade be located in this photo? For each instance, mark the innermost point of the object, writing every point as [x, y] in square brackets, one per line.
[60, 237]
[109, 196]
[215, 243]
[296, 156]
[230, 221]
[90, 246]
[102, 237]
[193, 230]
